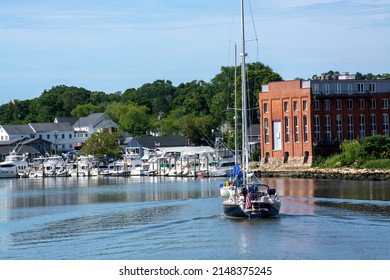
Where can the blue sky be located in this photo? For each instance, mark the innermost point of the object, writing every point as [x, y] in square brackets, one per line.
[119, 44]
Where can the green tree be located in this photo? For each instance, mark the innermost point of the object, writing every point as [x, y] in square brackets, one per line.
[199, 129]
[135, 120]
[14, 112]
[102, 143]
[376, 147]
[84, 110]
[130, 117]
[155, 96]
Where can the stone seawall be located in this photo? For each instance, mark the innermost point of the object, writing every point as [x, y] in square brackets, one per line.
[325, 173]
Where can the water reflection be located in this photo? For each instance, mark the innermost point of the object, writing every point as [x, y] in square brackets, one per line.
[309, 196]
[364, 190]
[300, 196]
[29, 193]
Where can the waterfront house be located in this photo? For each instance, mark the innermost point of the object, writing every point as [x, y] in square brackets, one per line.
[62, 134]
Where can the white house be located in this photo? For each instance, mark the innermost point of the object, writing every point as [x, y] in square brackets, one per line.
[63, 136]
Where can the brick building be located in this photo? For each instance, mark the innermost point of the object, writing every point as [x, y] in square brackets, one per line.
[300, 119]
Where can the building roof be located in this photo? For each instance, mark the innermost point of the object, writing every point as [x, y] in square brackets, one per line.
[70, 120]
[106, 124]
[152, 142]
[88, 120]
[18, 129]
[51, 127]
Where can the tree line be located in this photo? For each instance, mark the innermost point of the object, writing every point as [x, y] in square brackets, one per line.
[194, 109]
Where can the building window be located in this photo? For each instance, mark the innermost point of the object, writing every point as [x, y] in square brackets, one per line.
[362, 127]
[338, 104]
[70, 136]
[349, 88]
[373, 125]
[361, 103]
[285, 106]
[304, 105]
[48, 136]
[327, 105]
[338, 88]
[328, 132]
[360, 87]
[385, 104]
[266, 131]
[305, 129]
[372, 87]
[372, 104]
[316, 88]
[350, 128]
[295, 104]
[63, 136]
[350, 104]
[326, 88]
[316, 105]
[296, 129]
[317, 133]
[339, 127]
[265, 108]
[385, 125]
[286, 130]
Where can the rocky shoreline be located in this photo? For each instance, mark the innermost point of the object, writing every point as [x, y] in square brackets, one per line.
[331, 173]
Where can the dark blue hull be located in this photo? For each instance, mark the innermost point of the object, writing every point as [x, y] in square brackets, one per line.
[232, 210]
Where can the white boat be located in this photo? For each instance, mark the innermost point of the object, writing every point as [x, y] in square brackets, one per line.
[222, 168]
[248, 199]
[135, 165]
[14, 166]
[53, 166]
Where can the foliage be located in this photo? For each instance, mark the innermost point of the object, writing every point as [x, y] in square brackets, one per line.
[199, 129]
[131, 117]
[193, 108]
[372, 151]
[376, 147]
[102, 143]
[84, 110]
[378, 163]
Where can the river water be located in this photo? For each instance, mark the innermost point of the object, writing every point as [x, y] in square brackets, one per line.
[166, 218]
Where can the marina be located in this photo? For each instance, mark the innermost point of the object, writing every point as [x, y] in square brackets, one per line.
[174, 218]
[191, 161]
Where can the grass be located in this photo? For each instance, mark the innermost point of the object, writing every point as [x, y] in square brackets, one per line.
[378, 163]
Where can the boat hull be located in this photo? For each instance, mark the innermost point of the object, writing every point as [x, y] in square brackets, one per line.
[232, 210]
[236, 210]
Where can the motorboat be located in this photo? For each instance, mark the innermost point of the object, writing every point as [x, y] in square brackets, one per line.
[14, 166]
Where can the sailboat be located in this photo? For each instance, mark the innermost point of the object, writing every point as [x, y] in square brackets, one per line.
[248, 199]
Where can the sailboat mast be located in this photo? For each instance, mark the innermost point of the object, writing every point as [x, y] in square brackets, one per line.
[235, 107]
[245, 160]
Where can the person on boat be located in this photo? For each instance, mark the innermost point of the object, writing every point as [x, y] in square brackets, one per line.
[239, 179]
[244, 192]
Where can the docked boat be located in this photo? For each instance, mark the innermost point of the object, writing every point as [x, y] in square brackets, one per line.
[136, 166]
[223, 168]
[14, 166]
[248, 197]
